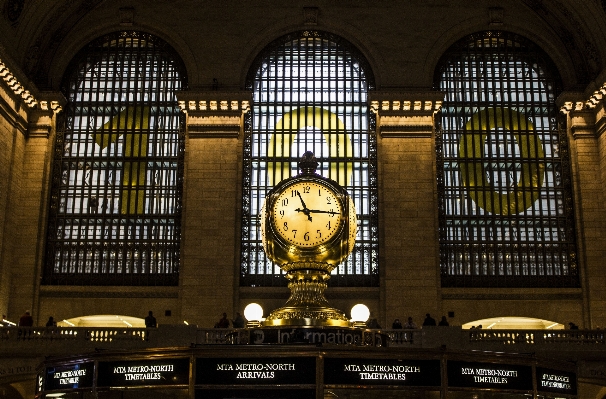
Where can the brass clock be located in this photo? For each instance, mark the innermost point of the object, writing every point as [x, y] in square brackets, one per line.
[308, 218]
[308, 223]
[307, 214]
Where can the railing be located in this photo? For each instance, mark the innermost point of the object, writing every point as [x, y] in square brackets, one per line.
[45, 341]
[540, 337]
[403, 337]
[96, 334]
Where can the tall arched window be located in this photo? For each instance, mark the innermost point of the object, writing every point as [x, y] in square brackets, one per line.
[310, 93]
[115, 205]
[506, 217]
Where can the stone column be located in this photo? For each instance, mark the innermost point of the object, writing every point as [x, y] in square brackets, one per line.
[29, 203]
[211, 203]
[409, 254]
[586, 123]
[13, 127]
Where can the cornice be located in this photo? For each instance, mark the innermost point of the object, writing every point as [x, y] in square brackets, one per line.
[16, 87]
[46, 101]
[405, 103]
[214, 114]
[405, 114]
[214, 101]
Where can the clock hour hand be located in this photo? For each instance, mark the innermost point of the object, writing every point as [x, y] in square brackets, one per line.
[305, 211]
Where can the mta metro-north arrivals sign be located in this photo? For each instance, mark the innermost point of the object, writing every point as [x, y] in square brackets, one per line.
[382, 372]
[256, 371]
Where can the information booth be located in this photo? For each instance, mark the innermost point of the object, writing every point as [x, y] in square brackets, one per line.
[300, 371]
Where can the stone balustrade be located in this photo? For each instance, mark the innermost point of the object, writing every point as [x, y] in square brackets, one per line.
[40, 341]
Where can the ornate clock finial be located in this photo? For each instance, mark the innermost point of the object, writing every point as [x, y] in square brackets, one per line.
[308, 163]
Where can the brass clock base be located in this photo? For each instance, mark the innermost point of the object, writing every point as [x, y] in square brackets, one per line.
[307, 305]
[307, 316]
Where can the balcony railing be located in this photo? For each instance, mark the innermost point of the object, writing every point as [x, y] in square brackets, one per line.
[53, 341]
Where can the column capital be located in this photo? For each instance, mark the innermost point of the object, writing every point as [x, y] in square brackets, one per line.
[586, 112]
[214, 113]
[42, 118]
[405, 113]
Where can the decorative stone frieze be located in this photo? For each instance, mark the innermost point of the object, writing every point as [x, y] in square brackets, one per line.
[405, 114]
[214, 113]
[11, 81]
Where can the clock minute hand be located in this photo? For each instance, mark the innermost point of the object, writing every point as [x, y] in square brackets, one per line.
[304, 210]
[302, 202]
[319, 211]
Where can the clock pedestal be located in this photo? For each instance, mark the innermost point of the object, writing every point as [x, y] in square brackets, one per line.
[307, 305]
[309, 226]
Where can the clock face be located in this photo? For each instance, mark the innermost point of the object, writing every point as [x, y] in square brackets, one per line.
[306, 214]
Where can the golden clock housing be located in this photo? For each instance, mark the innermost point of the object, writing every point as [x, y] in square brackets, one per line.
[308, 227]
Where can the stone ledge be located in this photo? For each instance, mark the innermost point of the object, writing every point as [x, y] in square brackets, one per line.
[108, 292]
[545, 294]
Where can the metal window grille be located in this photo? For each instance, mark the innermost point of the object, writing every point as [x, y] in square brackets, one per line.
[310, 93]
[115, 204]
[505, 198]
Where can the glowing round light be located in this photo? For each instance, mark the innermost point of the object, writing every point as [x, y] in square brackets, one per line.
[253, 312]
[360, 313]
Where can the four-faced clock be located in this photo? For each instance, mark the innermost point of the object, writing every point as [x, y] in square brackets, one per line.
[307, 214]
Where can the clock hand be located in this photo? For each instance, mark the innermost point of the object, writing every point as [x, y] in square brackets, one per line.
[302, 202]
[319, 211]
[305, 211]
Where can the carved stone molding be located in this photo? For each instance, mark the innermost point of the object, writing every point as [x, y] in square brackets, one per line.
[495, 14]
[587, 113]
[15, 86]
[42, 119]
[405, 114]
[127, 16]
[310, 14]
[214, 113]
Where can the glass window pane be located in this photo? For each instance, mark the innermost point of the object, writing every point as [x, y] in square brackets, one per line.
[310, 93]
[505, 196]
[116, 188]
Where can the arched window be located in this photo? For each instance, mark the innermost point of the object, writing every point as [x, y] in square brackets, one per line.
[115, 210]
[310, 93]
[506, 216]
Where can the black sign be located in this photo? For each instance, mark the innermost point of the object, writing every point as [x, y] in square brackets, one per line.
[143, 373]
[556, 381]
[489, 375]
[253, 371]
[382, 372]
[69, 376]
[255, 393]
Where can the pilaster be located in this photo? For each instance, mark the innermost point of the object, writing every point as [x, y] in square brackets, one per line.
[407, 199]
[586, 124]
[29, 205]
[214, 133]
